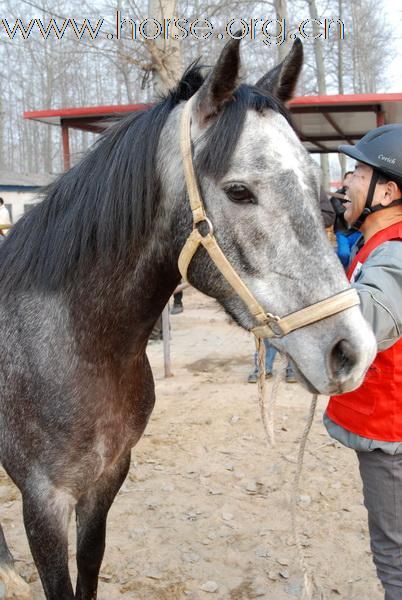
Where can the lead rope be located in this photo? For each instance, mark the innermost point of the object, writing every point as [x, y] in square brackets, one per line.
[266, 412]
[267, 417]
[308, 579]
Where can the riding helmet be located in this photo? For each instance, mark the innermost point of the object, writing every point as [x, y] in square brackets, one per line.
[380, 148]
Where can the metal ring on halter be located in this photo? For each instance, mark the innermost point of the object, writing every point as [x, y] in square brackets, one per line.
[273, 321]
[271, 317]
[208, 222]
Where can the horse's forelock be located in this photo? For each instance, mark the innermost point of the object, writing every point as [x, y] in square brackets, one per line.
[222, 136]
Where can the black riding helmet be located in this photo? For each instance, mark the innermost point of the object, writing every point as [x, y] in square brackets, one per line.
[380, 148]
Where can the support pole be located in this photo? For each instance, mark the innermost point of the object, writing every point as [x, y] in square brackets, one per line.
[166, 341]
[66, 146]
[380, 118]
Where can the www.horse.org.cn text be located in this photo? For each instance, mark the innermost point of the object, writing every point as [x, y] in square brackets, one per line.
[271, 31]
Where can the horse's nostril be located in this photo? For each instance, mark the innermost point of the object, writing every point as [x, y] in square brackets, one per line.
[342, 359]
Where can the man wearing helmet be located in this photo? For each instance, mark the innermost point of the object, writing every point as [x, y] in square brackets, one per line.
[369, 419]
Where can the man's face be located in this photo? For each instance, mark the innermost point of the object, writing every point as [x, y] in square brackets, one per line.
[358, 186]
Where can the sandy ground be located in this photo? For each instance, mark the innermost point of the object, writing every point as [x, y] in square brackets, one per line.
[204, 512]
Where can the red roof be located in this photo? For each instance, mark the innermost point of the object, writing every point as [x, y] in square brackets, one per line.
[323, 122]
[88, 118]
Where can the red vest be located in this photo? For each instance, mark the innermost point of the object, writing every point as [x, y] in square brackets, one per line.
[374, 410]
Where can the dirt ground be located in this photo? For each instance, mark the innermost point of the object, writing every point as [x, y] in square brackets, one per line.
[204, 512]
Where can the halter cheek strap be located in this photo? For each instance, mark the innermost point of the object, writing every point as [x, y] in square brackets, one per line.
[269, 325]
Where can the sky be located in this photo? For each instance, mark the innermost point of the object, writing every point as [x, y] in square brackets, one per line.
[395, 69]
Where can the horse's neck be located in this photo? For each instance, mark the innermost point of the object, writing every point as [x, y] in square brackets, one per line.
[125, 303]
[114, 312]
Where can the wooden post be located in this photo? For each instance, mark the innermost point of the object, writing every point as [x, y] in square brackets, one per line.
[166, 341]
[380, 118]
[66, 146]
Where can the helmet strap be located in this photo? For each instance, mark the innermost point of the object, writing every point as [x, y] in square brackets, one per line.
[368, 209]
[369, 199]
[378, 207]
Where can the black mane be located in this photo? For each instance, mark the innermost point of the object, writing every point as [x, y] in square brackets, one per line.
[107, 202]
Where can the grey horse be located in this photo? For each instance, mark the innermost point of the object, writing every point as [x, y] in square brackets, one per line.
[85, 274]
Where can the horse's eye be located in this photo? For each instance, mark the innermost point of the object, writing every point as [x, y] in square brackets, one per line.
[238, 192]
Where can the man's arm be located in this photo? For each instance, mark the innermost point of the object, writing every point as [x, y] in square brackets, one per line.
[379, 284]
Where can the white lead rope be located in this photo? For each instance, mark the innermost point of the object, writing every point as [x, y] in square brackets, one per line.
[267, 417]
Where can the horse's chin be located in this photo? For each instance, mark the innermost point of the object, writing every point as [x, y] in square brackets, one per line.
[303, 379]
[310, 387]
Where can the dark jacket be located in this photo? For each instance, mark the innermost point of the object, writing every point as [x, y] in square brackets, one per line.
[327, 210]
[339, 209]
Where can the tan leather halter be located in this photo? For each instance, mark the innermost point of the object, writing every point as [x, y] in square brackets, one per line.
[269, 325]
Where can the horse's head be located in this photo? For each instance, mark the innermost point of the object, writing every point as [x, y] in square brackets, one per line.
[260, 189]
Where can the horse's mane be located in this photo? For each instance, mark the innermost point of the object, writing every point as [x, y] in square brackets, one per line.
[107, 201]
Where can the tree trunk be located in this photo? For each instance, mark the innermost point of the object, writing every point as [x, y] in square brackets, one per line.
[281, 11]
[165, 53]
[342, 157]
[322, 89]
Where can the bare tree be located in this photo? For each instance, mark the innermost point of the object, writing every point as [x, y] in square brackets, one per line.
[321, 83]
[165, 50]
[42, 73]
[281, 11]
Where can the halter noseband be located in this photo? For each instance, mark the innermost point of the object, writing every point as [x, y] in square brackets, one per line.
[269, 325]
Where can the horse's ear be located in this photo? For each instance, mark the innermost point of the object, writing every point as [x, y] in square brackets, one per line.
[220, 84]
[281, 80]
